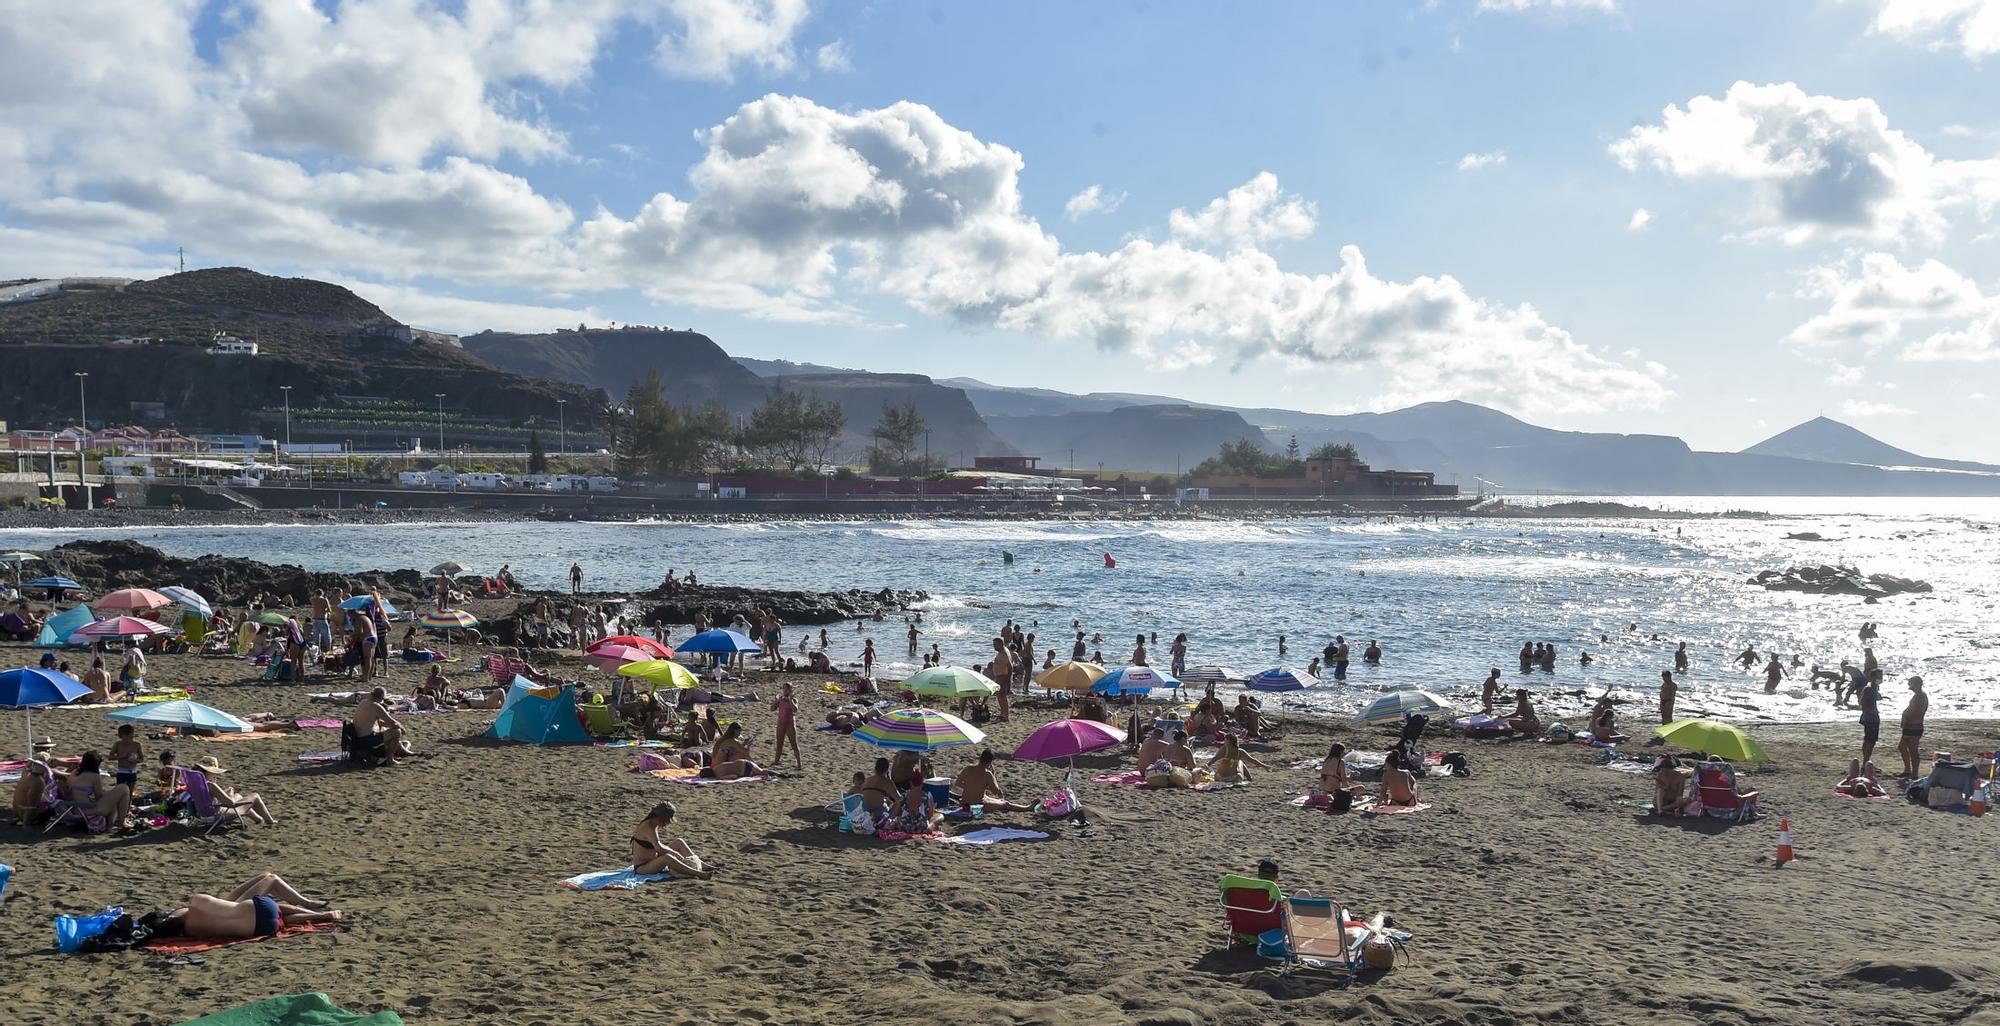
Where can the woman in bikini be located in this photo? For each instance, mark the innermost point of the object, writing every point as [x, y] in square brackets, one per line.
[878, 795]
[108, 801]
[1399, 785]
[259, 907]
[1231, 764]
[731, 758]
[652, 853]
[787, 708]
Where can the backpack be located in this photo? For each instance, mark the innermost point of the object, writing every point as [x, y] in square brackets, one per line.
[1455, 764]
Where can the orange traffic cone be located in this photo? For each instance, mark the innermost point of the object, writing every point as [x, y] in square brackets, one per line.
[1784, 841]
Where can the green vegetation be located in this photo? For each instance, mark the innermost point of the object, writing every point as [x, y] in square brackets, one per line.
[896, 437]
[1247, 459]
[792, 430]
[538, 458]
[1336, 451]
[656, 437]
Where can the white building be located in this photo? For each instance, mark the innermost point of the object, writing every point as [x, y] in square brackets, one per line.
[229, 345]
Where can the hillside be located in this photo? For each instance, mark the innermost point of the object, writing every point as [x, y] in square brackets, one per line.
[1829, 441]
[957, 432]
[306, 332]
[692, 365]
[1149, 438]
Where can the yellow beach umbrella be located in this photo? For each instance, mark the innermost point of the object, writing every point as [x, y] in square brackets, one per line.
[1070, 676]
[661, 673]
[1716, 738]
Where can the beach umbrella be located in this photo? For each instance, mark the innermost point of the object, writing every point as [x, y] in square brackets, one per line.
[644, 644]
[661, 673]
[184, 714]
[1392, 707]
[611, 657]
[270, 619]
[54, 584]
[719, 642]
[449, 568]
[365, 601]
[950, 682]
[1210, 674]
[133, 600]
[18, 557]
[28, 687]
[1133, 680]
[119, 627]
[448, 620]
[1722, 740]
[1071, 676]
[1279, 678]
[1067, 739]
[918, 730]
[189, 598]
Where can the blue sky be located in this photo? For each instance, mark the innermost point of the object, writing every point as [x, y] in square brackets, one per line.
[1531, 226]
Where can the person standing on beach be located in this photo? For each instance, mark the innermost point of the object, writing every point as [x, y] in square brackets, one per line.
[322, 626]
[1489, 691]
[576, 578]
[1913, 728]
[868, 659]
[1001, 671]
[1869, 695]
[787, 707]
[1681, 658]
[1667, 691]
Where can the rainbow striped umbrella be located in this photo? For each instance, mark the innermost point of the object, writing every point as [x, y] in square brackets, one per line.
[1392, 707]
[449, 619]
[918, 730]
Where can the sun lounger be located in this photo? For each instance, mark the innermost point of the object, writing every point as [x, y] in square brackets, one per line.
[1251, 907]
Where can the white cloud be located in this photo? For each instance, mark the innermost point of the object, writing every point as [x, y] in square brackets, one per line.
[1517, 6]
[1641, 218]
[1820, 167]
[1972, 26]
[709, 39]
[430, 309]
[1182, 356]
[1476, 161]
[1250, 215]
[1864, 408]
[1840, 375]
[833, 57]
[1958, 131]
[1930, 311]
[1092, 200]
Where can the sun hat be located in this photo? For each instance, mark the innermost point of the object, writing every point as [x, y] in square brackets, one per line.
[208, 764]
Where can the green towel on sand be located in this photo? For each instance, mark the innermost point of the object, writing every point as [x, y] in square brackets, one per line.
[296, 1010]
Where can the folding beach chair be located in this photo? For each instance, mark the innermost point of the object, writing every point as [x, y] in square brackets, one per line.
[1251, 907]
[208, 812]
[599, 719]
[1719, 794]
[1316, 937]
[61, 809]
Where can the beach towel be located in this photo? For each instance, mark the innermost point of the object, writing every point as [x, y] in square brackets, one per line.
[295, 1010]
[613, 880]
[1628, 766]
[897, 836]
[992, 836]
[631, 744]
[193, 945]
[1306, 764]
[319, 724]
[255, 735]
[1219, 785]
[334, 756]
[1393, 810]
[1127, 777]
[1838, 791]
[675, 773]
[701, 781]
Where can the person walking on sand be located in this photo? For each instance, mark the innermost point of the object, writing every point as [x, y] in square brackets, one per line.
[653, 853]
[1913, 728]
[787, 707]
[576, 578]
[1667, 691]
[1001, 670]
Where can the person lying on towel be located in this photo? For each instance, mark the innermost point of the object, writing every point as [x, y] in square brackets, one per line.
[259, 907]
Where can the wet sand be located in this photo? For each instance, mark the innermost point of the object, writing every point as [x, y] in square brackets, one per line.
[1536, 890]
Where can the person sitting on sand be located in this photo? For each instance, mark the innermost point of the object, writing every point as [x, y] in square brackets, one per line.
[1860, 782]
[1203, 723]
[1670, 795]
[372, 718]
[1524, 721]
[413, 652]
[977, 785]
[653, 853]
[1399, 785]
[878, 794]
[1231, 764]
[1153, 747]
[908, 770]
[249, 806]
[1604, 721]
[1335, 778]
[99, 682]
[259, 907]
[111, 802]
[29, 792]
[731, 758]
[919, 815]
[1249, 717]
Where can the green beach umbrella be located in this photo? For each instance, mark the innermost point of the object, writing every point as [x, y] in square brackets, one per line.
[1715, 738]
[951, 682]
[270, 619]
[663, 673]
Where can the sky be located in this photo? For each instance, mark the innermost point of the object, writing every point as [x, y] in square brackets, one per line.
[1706, 219]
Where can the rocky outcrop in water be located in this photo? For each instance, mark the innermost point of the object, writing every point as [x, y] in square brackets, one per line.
[1837, 580]
[102, 566]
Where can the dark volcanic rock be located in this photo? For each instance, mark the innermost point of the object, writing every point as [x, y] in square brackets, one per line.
[102, 566]
[1837, 580]
[1805, 536]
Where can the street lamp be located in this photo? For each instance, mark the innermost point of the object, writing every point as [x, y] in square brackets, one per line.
[562, 428]
[82, 413]
[440, 399]
[287, 389]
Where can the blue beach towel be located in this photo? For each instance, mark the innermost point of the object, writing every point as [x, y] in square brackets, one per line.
[613, 879]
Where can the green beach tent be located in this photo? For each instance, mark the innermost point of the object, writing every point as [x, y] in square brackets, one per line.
[57, 629]
[539, 715]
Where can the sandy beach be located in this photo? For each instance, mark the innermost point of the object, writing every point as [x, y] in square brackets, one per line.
[1536, 890]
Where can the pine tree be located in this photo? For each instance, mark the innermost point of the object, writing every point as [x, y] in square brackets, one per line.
[538, 458]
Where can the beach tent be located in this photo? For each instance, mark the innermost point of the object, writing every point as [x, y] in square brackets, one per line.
[57, 629]
[539, 715]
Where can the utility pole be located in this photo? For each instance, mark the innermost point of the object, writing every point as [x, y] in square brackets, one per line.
[562, 427]
[82, 412]
[184, 258]
[440, 399]
[287, 389]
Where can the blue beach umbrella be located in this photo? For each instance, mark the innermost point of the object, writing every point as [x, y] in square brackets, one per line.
[719, 642]
[1279, 678]
[54, 583]
[364, 601]
[190, 599]
[30, 686]
[184, 714]
[1133, 680]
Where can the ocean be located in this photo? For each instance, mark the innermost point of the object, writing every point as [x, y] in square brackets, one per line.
[1446, 599]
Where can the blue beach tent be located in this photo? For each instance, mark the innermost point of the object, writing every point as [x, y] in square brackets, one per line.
[539, 716]
[57, 629]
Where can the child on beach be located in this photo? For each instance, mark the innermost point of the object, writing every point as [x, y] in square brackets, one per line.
[787, 708]
[128, 755]
[868, 659]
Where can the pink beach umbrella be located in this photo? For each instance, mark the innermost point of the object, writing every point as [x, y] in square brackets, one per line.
[610, 657]
[133, 600]
[1067, 739]
[118, 627]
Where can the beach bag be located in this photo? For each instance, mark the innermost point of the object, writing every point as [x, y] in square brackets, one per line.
[121, 934]
[1062, 803]
[1455, 764]
[72, 931]
[1343, 800]
[864, 825]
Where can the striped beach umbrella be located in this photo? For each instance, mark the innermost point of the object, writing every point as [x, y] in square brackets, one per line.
[448, 619]
[189, 598]
[1071, 676]
[1392, 707]
[118, 627]
[184, 714]
[663, 673]
[1133, 680]
[918, 730]
[951, 682]
[1209, 674]
[53, 584]
[133, 600]
[1279, 678]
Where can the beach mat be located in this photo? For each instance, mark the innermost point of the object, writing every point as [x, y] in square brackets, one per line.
[1133, 777]
[613, 880]
[254, 735]
[700, 781]
[318, 724]
[675, 773]
[1866, 798]
[322, 756]
[1394, 810]
[992, 836]
[192, 945]
[295, 1010]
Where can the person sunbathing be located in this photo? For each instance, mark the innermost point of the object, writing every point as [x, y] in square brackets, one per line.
[653, 853]
[1231, 764]
[731, 758]
[1524, 721]
[909, 770]
[1153, 747]
[1670, 797]
[1399, 785]
[249, 806]
[259, 907]
[1860, 782]
[977, 786]
[1334, 776]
